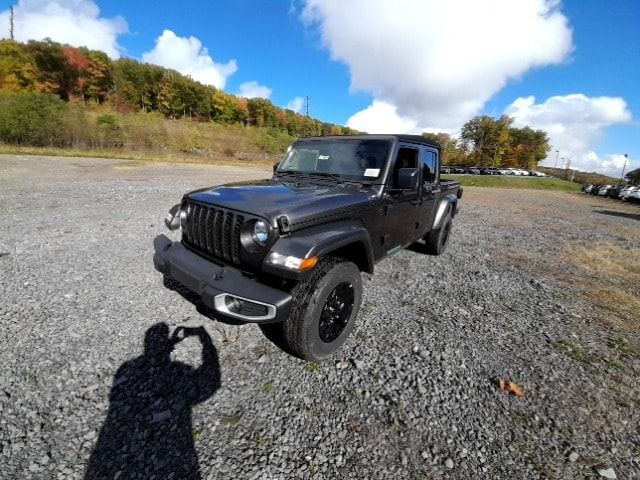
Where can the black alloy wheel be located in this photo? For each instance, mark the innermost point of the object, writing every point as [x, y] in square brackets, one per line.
[336, 312]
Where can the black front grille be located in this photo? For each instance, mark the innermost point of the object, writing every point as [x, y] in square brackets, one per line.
[213, 231]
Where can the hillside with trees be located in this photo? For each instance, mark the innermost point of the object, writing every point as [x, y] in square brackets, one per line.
[54, 95]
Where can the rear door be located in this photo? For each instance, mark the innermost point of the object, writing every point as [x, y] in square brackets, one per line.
[430, 191]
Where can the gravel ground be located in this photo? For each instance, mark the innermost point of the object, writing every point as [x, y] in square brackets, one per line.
[88, 390]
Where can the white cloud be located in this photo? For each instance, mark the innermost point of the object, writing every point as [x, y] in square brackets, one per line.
[438, 62]
[76, 22]
[381, 117]
[296, 104]
[189, 57]
[254, 90]
[575, 124]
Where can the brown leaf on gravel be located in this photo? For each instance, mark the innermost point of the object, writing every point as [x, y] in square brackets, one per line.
[510, 387]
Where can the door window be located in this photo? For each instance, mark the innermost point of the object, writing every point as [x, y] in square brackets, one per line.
[406, 158]
[429, 171]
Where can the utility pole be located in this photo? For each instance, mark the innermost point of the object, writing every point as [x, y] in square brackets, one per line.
[11, 23]
[555, 164]
[623, 165]
[307, 105]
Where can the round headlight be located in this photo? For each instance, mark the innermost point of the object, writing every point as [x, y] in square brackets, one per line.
[260, 232]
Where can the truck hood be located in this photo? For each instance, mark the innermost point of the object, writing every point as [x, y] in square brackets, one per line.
[304, 203]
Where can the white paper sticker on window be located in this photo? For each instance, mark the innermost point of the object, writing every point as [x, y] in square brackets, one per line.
[372, 172]
[323, 157]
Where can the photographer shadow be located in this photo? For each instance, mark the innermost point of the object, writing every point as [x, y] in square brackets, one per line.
[148, 430]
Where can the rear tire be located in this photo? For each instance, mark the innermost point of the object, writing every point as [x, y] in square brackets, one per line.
[324, 311]
[436, 241]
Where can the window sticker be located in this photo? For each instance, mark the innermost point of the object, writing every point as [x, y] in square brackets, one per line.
[323, 157]
[372, 172]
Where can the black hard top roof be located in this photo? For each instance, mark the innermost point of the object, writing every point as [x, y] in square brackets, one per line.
[390, 136]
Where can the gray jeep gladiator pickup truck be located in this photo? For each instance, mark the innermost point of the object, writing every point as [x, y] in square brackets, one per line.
[289, 251]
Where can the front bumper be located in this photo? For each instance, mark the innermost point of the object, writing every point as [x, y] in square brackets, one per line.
[218, 285]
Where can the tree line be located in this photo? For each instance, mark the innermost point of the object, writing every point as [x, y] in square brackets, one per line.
[488, 142]
[71, 73]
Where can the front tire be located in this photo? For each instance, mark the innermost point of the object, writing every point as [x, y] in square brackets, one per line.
[324, 311]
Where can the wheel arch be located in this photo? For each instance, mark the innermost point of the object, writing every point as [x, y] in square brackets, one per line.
[345, 238]
[450, 201]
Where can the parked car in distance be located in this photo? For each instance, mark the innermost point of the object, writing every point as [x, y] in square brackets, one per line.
[456, 169]
[614, 192]
[604, 189]
[445, 169]
[626, 192]
[473, 170]
[634, 196]
[586, 188]
[489, 171]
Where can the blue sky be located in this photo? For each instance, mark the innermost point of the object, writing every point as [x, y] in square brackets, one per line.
[571, 68]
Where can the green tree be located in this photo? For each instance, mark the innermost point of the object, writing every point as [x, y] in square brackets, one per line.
[17, 68]
[31, 119]
[633, 176]
[486, 139]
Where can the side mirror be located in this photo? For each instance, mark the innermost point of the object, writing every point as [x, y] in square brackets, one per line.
[172, 220]
[275, 167]
[408, 178]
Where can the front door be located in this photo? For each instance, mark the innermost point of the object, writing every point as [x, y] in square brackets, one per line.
[401, 207]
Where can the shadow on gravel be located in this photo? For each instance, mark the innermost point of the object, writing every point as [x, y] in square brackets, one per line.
[272, 332]
[634, 216]
[418, 247]
[148, 430]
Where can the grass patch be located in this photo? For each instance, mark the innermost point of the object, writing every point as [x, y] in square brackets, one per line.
[267, 388]
[574, 351]
[615, 363]
[312, 367]
[623, 345]
[396, 429]
[196, 433]
[315, 411]
[502, 181]
[232, 419]
[524, 447]
[560, 296]
[262, 442]
[609, 275]
[139, 157]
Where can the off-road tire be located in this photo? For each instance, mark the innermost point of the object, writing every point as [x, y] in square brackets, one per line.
[301, 331]
[436, 241]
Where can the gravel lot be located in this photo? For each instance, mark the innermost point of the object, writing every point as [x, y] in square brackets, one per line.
[412, 395]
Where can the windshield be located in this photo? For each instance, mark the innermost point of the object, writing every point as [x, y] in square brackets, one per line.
[348, 159]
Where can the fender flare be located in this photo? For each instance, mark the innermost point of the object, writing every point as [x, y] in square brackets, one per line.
[449, 200]
[346, 235]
